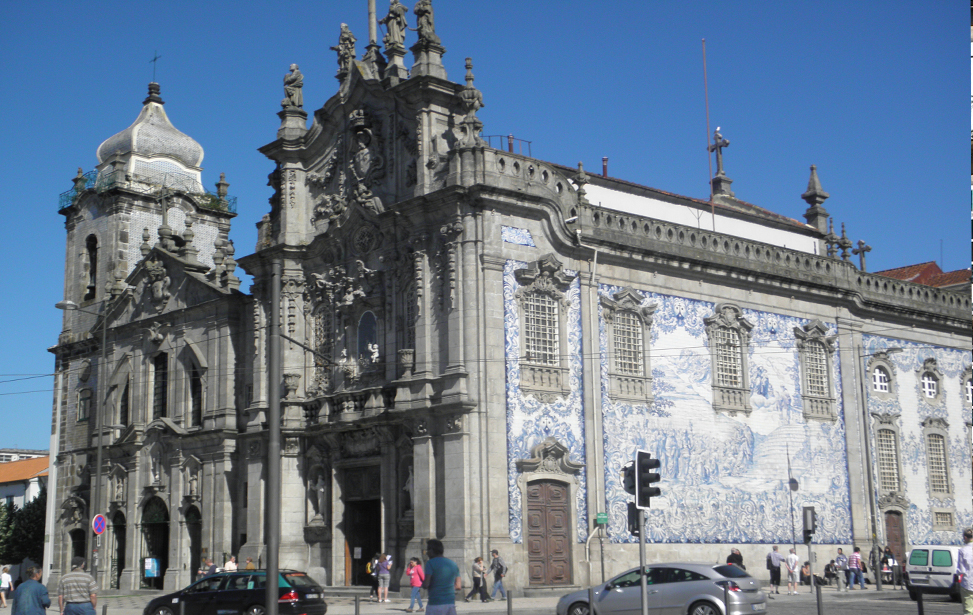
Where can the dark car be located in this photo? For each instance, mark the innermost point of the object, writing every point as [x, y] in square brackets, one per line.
[243, 593]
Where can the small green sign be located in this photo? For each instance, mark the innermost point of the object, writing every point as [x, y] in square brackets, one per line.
[601, 519]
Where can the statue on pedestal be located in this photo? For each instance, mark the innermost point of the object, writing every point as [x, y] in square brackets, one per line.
[396, 24]
[293, 93]
[425, 22]
[345, 49]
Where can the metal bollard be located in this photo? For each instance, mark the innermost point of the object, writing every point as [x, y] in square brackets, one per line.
[510, 604]
[591, 600]
[817, 589]
[182, 608]
[922, 610]
[357, 605]
[104, 609]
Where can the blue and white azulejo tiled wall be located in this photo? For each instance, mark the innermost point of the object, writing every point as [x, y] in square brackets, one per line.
[909, 408]
[724, 478]
[529, 421]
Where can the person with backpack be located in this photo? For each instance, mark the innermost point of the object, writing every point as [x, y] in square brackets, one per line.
[371, 568]
[416, 577]
[499, 570]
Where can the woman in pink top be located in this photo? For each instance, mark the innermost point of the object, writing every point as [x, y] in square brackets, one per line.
[416, 577]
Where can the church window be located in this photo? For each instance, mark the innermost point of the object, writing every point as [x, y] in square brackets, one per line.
[930, 382]
[411, 315]
[967, 385]
[91, 275]
[84, 404]
[123, 408]
[628, 325]
[543, 302]
[368, 338]
[815, 350]
[880, 380]
[541, 329]
[936, 463]
[729, 339]
[888, 460]
[942, 520]
[160, 385]
[195, 396]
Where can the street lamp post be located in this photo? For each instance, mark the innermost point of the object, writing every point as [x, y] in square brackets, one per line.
[69, 306]
[876, 551]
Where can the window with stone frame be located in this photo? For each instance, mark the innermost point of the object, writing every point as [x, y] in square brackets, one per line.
[816, 350]
[930, 381]
[543, 304]
[728, 334]
[124, 399]
[887, 446]
[935, 432]
[628, 326]
[195, 395]
[322, 337]
[84, 404]
[91, 272]
[882, 375]
[160, 385]
[942, 520]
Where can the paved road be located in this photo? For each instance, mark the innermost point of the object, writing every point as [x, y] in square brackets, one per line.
[868, 602]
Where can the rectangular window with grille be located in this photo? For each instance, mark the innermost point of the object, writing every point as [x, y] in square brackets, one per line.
[160, 385]
[936, 463]
[888, 460]
[816, 367]
[541, 329]
[942, 519]
[628, 344]
[728, 361]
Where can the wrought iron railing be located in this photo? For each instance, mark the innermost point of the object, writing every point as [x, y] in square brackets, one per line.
[151, 184]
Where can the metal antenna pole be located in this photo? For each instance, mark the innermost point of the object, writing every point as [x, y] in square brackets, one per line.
[709, 159]
[273, 443]
[645, 593]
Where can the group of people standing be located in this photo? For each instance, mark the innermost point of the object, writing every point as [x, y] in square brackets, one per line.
[848, 570]
[498, 568]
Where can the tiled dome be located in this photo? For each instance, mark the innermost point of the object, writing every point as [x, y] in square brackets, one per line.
[153, 135]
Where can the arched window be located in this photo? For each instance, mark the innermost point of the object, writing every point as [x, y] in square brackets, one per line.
[368, 337]
[880, 380]
[91, 277]
[123, 401]
[195, 396]
[160, 385]
[729, 341]
[930, 382]
[930, 386]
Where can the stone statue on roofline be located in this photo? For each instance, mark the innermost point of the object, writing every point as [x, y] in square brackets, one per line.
[345, 49]
[425, 22]
[293, 89]
[396, 24]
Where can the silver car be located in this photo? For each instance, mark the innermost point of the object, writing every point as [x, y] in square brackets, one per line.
[673, 589]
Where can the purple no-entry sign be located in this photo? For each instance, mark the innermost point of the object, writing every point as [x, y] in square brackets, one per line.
[98, 524]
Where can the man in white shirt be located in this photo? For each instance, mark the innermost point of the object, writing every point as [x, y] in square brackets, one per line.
[793, 565]
[964, 567]
[230, 566]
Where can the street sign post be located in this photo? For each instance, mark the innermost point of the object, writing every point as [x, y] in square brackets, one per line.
[99, 524]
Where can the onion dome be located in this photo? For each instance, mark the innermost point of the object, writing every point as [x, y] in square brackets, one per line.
[152, 135]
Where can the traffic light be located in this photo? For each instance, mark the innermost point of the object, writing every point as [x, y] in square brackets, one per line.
[645, 478]
[810, 523]
[633, 519]
[628, 478]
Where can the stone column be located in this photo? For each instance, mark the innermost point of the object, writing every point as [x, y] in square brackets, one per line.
[293, 548]
[455, 484]
[424, 481]
[856, 430]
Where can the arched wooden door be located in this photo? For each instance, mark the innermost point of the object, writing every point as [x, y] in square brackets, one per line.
[548, 535]
[895, 534]
[155, 534]
[118, 528]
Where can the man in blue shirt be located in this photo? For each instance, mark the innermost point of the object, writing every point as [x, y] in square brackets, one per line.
[31, 597]
[442, 580]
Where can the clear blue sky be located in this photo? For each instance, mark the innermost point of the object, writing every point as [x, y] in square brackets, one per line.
[868, 91]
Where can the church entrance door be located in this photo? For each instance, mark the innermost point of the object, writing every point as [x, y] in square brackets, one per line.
[895, 535]
[155, 536]
[118, 553]
[194, 527]
[363, 529]
[548, 533]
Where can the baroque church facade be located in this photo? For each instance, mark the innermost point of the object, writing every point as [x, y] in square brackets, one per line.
[474, 342]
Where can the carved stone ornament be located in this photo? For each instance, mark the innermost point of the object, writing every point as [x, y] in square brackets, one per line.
[154, 333]
[291, 384]
[894, 499]
[253, 448]
[454, 424]
[935, 422]
[549, 456]
[158, 282]
[544, 276]
[361, 443]
[816, 331]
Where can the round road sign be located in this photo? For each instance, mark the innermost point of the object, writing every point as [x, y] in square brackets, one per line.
[98, 524]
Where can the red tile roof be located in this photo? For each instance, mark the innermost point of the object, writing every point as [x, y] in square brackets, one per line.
[25, 469]
[960, 277]
[920, 274]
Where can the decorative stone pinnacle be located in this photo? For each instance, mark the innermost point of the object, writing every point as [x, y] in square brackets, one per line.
[79, 183]
[831, 240]
[814, 195]
[469, 72]
[221, 187]
[581, 179]
[844, 243]
[153, 96]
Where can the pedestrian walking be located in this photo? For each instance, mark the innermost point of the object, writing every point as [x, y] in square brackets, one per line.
[855, 569]
[791, 563]
[499, 569]
[250, 565]
[6, 586]
[774, 560]
[77, 592]
[372, 569]
[31, 597]
[964, 570]
[230, 565]
[416, 577]
[841, 563]
[479, 581]
[384, 568]
[442, 581]
[735, 558]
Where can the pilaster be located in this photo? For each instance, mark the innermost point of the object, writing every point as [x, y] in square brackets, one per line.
[856, 430]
